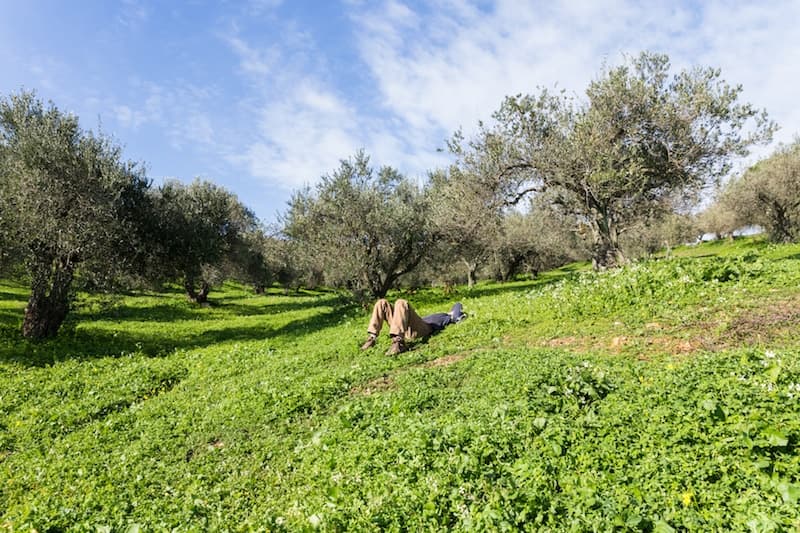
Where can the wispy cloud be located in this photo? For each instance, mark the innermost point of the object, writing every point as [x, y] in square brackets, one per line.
[252, 62]
[47, 72]
[283, 93]
[132, 13]
[299, 127]
[305, 123]
[431, 69]
[451, 65]
[756, 45]
[182, 112]
[261, 6]
[301, 136]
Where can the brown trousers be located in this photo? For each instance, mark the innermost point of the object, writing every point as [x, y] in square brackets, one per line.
[402, 320]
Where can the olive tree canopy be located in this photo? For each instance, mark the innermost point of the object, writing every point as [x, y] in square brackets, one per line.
[768, 194]
[365, 228]
[467, 217]
[201, 228]
[68, 203]
[641, 138]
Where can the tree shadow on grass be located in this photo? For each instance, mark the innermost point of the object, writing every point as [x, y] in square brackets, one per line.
[792, 257]
[183, 310]
[85, 342]
[5, 295]
[10, 316]
[273, 308]
[437, 297]
[696, 256]
[543, 280]
[150, 313]
[89, 343]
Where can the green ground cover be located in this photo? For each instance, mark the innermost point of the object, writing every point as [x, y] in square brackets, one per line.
[661, 397]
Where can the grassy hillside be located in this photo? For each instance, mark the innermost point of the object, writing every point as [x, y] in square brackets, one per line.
[664, 396]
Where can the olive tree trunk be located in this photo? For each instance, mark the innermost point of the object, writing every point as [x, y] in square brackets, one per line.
[194, 296]
[472, 271]
[606, 250]
[49, 301]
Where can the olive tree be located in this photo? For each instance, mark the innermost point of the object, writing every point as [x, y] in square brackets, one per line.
[466, 216]
[768, 194]
[366, 228]
[265, 256]
[641, 137]
[664, 232]
[541, 238]
[200, 228]
[248, 261]
[68, 203]
[292, 264]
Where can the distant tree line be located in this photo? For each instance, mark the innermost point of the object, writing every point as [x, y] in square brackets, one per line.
[766, 195]
[550, 180]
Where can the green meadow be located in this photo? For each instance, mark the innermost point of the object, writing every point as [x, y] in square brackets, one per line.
[664, 396]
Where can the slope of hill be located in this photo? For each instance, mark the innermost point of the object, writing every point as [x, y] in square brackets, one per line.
[659, 397]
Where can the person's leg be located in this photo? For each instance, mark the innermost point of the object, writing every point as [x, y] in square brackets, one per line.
[382, 312]
[405, 322]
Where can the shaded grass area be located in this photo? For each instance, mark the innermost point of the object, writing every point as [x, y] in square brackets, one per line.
[158, 324]
[665, 397]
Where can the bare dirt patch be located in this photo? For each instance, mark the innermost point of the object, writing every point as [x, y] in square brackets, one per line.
[444, 361]
[385, 382]
[675, 346]
[765, 324]
[618, 343]
[561, 341]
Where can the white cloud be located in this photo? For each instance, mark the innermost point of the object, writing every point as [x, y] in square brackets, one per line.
[47, 72]
[194, 127]
[252, 62]
[127, 117]
[182, 112]
[394, 77]
[452, 66]
[132, 14]
[259, 6]
[757, 46]
[299, 128]
[301, 136]
[448, 65]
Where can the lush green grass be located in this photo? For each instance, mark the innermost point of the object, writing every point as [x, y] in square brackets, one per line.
[663, 396]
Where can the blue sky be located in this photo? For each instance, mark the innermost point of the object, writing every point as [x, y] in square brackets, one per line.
[265, 96]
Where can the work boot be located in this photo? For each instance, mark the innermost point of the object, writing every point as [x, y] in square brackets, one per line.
[397, 347]
[370, 342]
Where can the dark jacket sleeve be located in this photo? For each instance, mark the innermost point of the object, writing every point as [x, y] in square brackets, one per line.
[437, 321]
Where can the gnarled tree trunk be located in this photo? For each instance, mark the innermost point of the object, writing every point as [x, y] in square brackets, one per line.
[606, 250]
[472, 272]
[194, 296]
[49, 301]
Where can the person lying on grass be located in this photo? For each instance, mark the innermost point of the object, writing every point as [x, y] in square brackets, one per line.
[405, 323]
